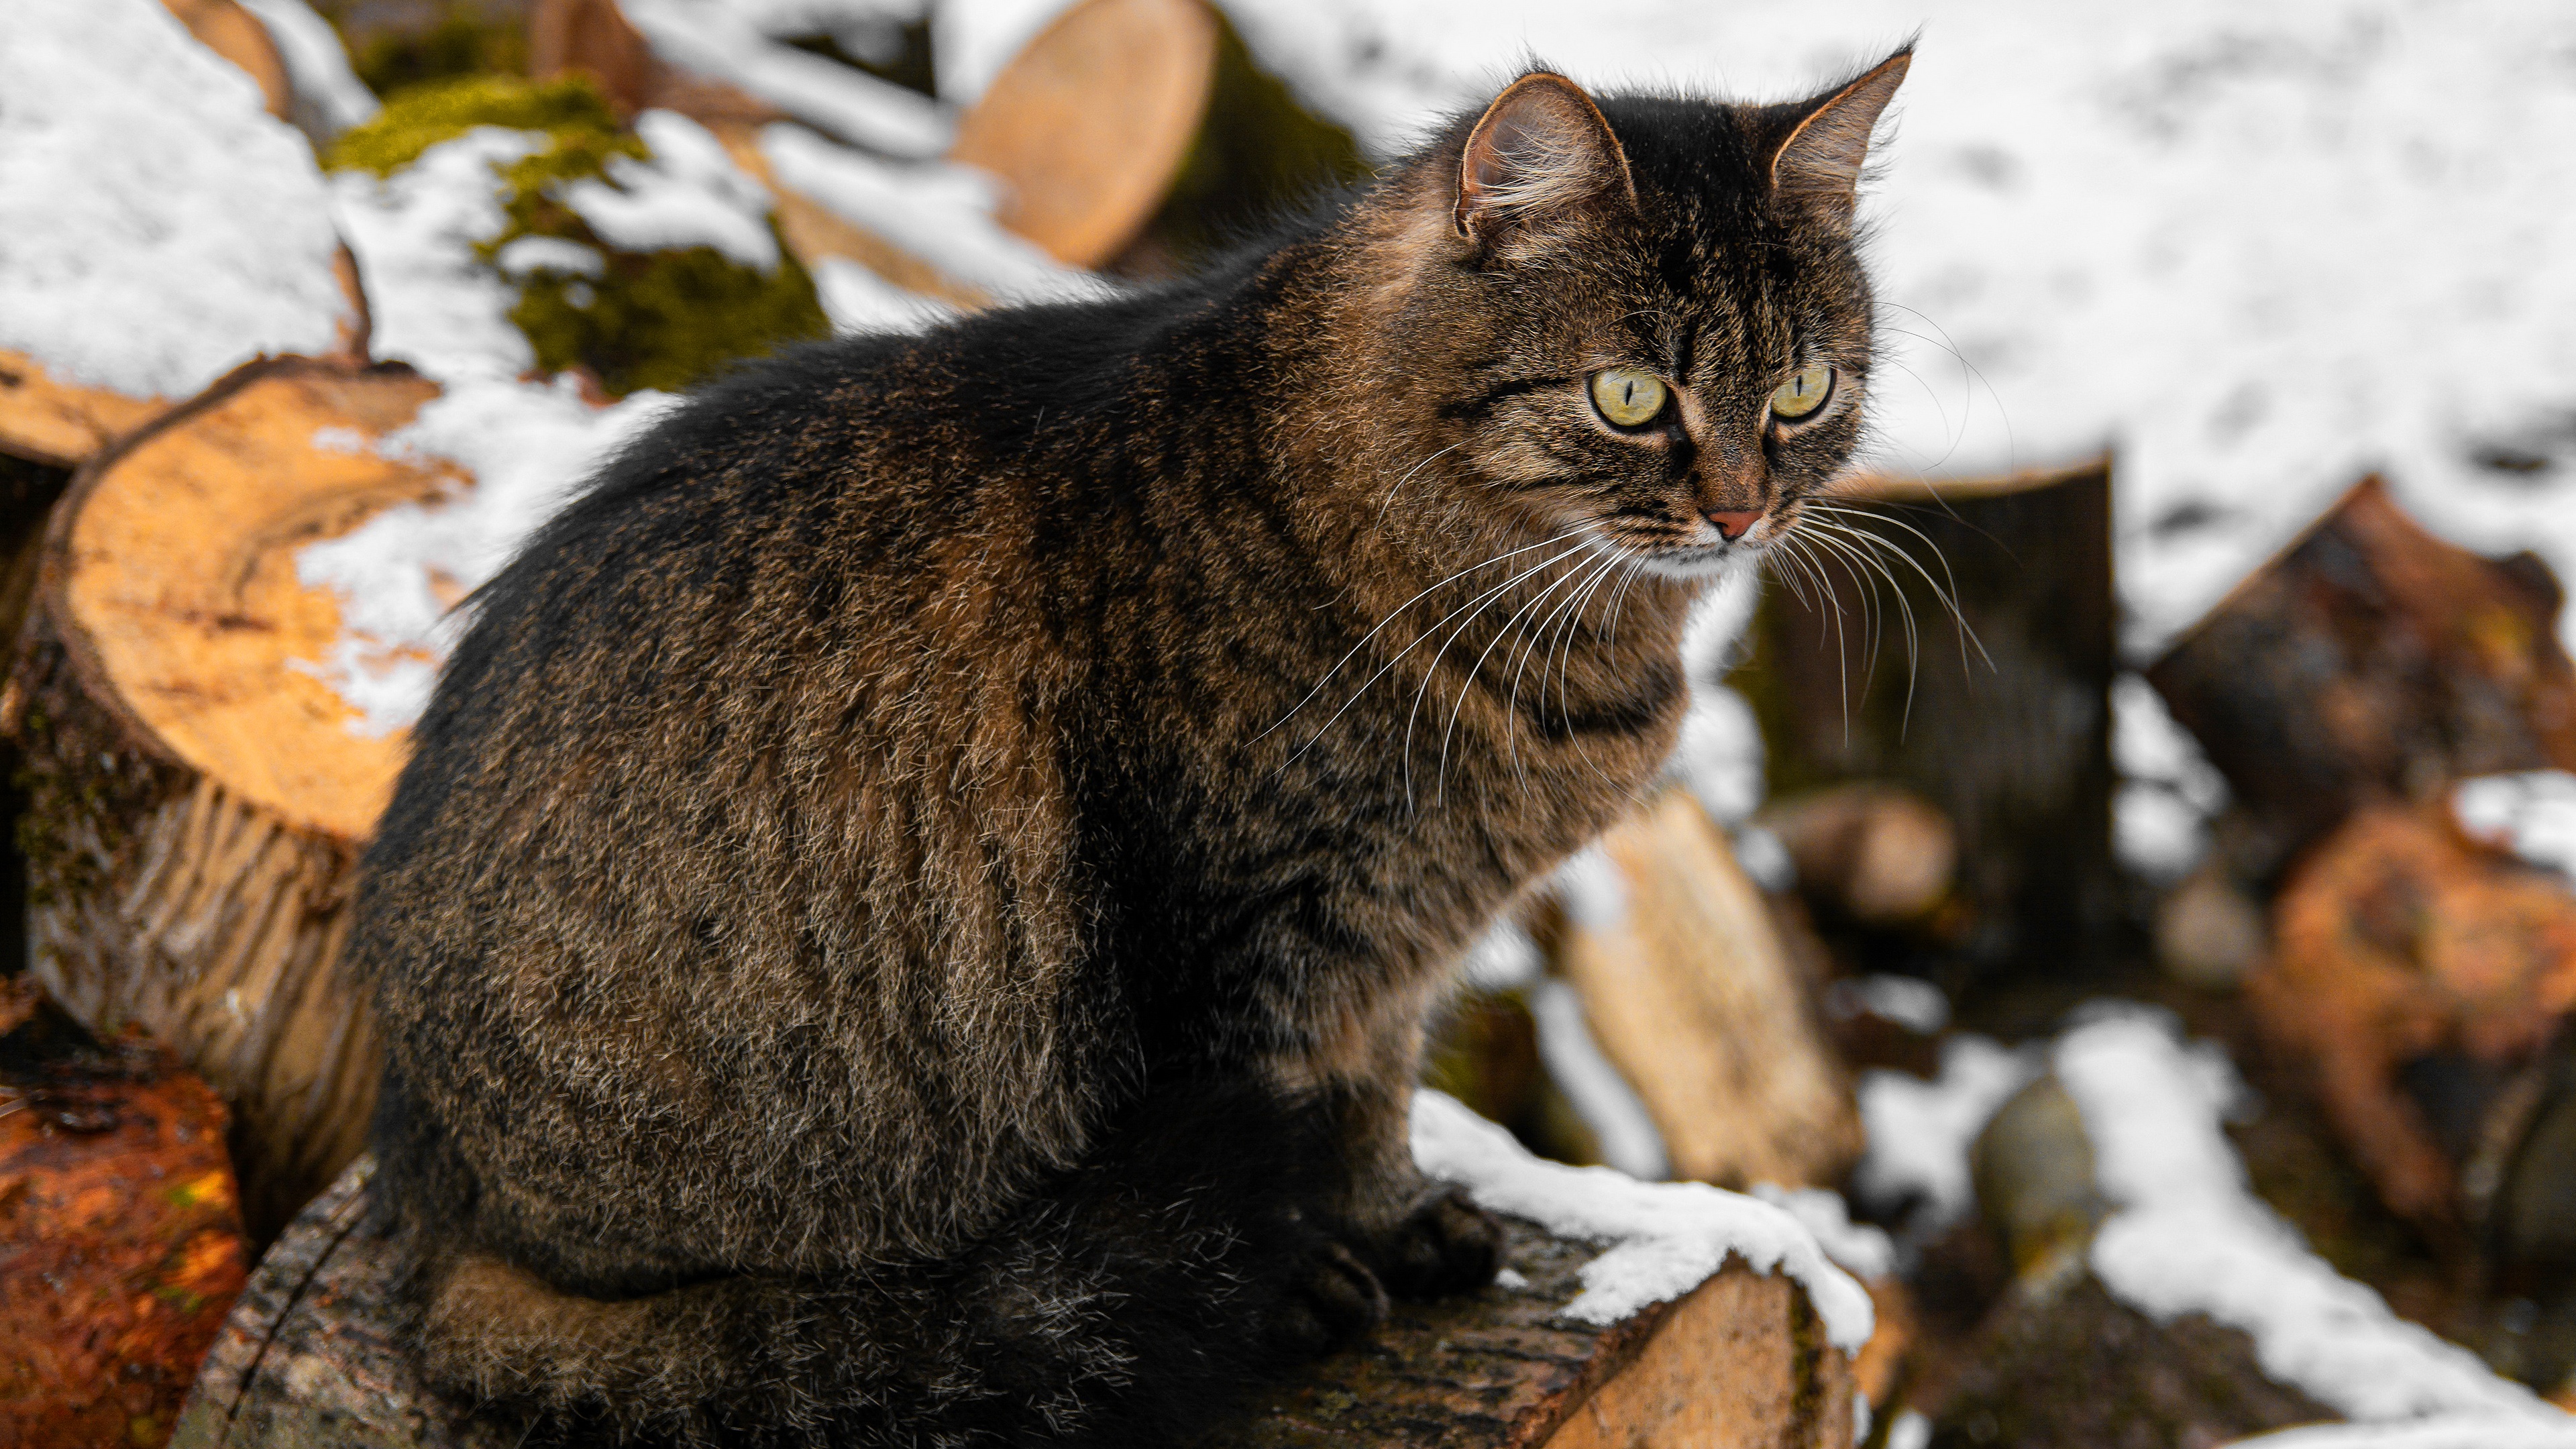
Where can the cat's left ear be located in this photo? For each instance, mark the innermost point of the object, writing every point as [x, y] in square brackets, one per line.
[1821, 159]
[1540, 149]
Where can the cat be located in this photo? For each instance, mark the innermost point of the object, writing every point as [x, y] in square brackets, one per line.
[911, 915]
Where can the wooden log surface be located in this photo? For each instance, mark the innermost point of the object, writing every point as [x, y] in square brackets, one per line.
[312, 1356]
[1691, 994]
[196, 797]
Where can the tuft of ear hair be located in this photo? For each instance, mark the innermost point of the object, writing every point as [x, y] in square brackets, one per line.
[1820, 161]
[1540, 148]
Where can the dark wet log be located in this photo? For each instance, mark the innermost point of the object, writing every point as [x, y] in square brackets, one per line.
[2006, 734]
[312, 1357]
[2370, 661]
[121, 1243]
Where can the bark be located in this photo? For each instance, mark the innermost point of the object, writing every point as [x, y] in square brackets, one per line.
[121, 1244]
[196, 801]
[2003, 725]
[2371, 661]
[312, 1356]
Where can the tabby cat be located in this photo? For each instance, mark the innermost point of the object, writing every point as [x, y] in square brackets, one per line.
[911, 915]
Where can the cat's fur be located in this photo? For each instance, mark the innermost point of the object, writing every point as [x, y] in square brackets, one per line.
[910, 917]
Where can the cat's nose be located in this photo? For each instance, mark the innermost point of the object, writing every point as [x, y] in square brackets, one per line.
[1733, 525]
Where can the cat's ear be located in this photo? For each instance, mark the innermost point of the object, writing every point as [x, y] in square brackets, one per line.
[1821, 159]
[1540, 148]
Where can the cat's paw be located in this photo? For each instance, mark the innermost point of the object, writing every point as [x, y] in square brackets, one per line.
[1447, 1245]
[1334, 1300]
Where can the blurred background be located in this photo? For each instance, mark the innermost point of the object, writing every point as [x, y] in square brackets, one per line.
[2116, 883]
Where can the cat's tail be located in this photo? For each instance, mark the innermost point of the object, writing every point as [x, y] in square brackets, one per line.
[1129, 1306]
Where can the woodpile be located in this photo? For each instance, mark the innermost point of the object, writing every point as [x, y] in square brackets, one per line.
[311, 1355]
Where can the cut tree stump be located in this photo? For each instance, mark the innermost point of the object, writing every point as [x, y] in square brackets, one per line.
[312, 1356]
[1089, 123]
[120, 1237]
[196, 798]
[1691, 994]
[2008, 734]
[2371, 661]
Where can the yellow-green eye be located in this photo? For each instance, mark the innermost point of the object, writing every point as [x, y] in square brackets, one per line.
[1804, 392]
[1626, 396]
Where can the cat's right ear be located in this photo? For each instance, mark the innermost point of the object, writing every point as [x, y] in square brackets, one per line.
[1539, 150]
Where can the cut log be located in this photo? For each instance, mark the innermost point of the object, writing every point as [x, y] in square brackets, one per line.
[1692, 996]
[2414, 975]
[313, 1355]
[2006, 733]
[232, 32]
[2372, 661]
[121, 1243]
[197, 798]
[1088, 125]
[61, 423]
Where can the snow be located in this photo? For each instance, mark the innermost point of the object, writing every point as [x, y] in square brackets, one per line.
[160, 227]
[1622, 1129]
[1863, 1251]
[2257, 250]
[2450, 1431]
[717, 40]
[1909, 1001]
[1504, 959]
[2187, 1236]
[1919, 1132]
[329, 97]
[972, 43]
[858, 300]
[1664, 1238]
[688, 194]
[940, 213]
[527, 446]
[2168, 788]
[2531, 814]
[529, 255]
[434, 304]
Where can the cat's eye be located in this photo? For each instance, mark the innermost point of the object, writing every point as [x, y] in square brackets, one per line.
[1627, 397]
[1804, 392]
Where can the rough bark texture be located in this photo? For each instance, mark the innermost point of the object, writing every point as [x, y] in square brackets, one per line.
[2371, 661]
[121, 1243]
[1692, 995]
[312, 1357]
[2008, 734]
[196, 802]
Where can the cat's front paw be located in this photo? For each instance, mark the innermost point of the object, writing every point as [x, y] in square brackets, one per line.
[1448, 1245]
[1334, 1300]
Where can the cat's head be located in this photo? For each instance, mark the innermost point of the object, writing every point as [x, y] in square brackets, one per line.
[1643, 318]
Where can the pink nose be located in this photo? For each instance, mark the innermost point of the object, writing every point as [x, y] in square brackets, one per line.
[1733, 525]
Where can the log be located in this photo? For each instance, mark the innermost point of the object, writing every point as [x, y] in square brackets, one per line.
[2415, 975]
[1691, 994]
[2371, 661]
[312, 1356]
[197, 801]
[59, 423]
[1089, 123]
[2007, 734]
[121, 1245]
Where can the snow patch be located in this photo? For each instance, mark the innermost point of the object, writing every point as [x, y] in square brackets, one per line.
[2188, 1237]
[858, 300]
[2531, 814]
[1859, 1249]
[529, 447]
[434, 303]
[719, 40]
[329, 97]
[2452, 1431]
[1665, 1238]
[1621, 1126]
[1919, 1132]
[161, 228]
[688, 194]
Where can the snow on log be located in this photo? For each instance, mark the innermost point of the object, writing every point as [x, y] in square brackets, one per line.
[164, 227]
[1633, 1314]
[197, 799]
[1690, 993]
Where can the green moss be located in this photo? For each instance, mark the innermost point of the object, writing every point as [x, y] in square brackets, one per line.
[661, 319]
[571, 110]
